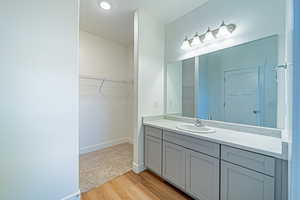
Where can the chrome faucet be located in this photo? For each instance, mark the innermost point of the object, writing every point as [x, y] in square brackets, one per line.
[198, 123]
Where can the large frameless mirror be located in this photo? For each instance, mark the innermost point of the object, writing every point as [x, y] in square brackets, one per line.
[236, 85]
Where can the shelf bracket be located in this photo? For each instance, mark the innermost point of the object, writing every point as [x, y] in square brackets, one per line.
[101, 85]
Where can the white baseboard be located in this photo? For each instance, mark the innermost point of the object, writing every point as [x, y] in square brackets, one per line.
[103, 145]
[138, 168]
[74, 196]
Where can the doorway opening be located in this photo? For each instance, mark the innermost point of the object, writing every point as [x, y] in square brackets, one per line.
[106, 91]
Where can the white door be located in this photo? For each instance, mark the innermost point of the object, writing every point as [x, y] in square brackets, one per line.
[242, 96]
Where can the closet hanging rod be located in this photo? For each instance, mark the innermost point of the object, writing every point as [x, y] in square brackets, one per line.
[104, 79]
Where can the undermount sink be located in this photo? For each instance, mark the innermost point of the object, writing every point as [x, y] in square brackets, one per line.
[196, 129]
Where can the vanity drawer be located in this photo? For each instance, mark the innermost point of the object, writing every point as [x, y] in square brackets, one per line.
[202, 146]
[154, 132]
[250, 160]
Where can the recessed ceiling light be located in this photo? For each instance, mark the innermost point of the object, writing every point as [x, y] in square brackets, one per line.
[105, 5]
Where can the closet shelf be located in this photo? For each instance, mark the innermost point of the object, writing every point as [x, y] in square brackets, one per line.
[103, 80]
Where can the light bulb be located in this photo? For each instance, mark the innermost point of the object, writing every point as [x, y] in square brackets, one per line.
[196, 40]
[209, 36]
[186, 44]
[105, 5]
[223, 31]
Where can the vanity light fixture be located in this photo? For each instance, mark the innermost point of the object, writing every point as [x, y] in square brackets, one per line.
[209, 36]
[223, 31]
[186, 44]
[196, 40]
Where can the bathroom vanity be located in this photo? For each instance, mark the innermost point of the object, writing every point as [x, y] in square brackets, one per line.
[238, 150]
[231, 163]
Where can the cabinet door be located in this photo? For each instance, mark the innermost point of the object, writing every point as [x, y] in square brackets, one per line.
[153, 153]
[202, 176]
[238, 183]
[174, 164]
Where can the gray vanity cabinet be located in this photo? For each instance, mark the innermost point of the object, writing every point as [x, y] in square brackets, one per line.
[210, 171]
[202, 176]
[174, 164]
[184, 166]
[153, 154]
[238, 183]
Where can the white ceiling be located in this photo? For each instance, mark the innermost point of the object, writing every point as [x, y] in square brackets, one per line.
[117, 23]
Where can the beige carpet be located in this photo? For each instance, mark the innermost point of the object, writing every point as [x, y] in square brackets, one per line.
[98, 167]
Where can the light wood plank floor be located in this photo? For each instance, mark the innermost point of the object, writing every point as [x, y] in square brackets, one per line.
[131, 186]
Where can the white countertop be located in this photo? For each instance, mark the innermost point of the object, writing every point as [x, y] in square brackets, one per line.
[267, 145]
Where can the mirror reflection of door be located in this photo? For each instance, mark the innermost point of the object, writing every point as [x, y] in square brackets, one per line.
[241, 102]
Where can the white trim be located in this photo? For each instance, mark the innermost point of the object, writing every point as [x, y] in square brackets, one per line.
[196, 85]
[74, 196]
[103, 145]
[138, 168]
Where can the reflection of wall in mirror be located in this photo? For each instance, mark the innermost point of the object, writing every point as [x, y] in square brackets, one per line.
[188, 87]
[174, 88]
[261, 53]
